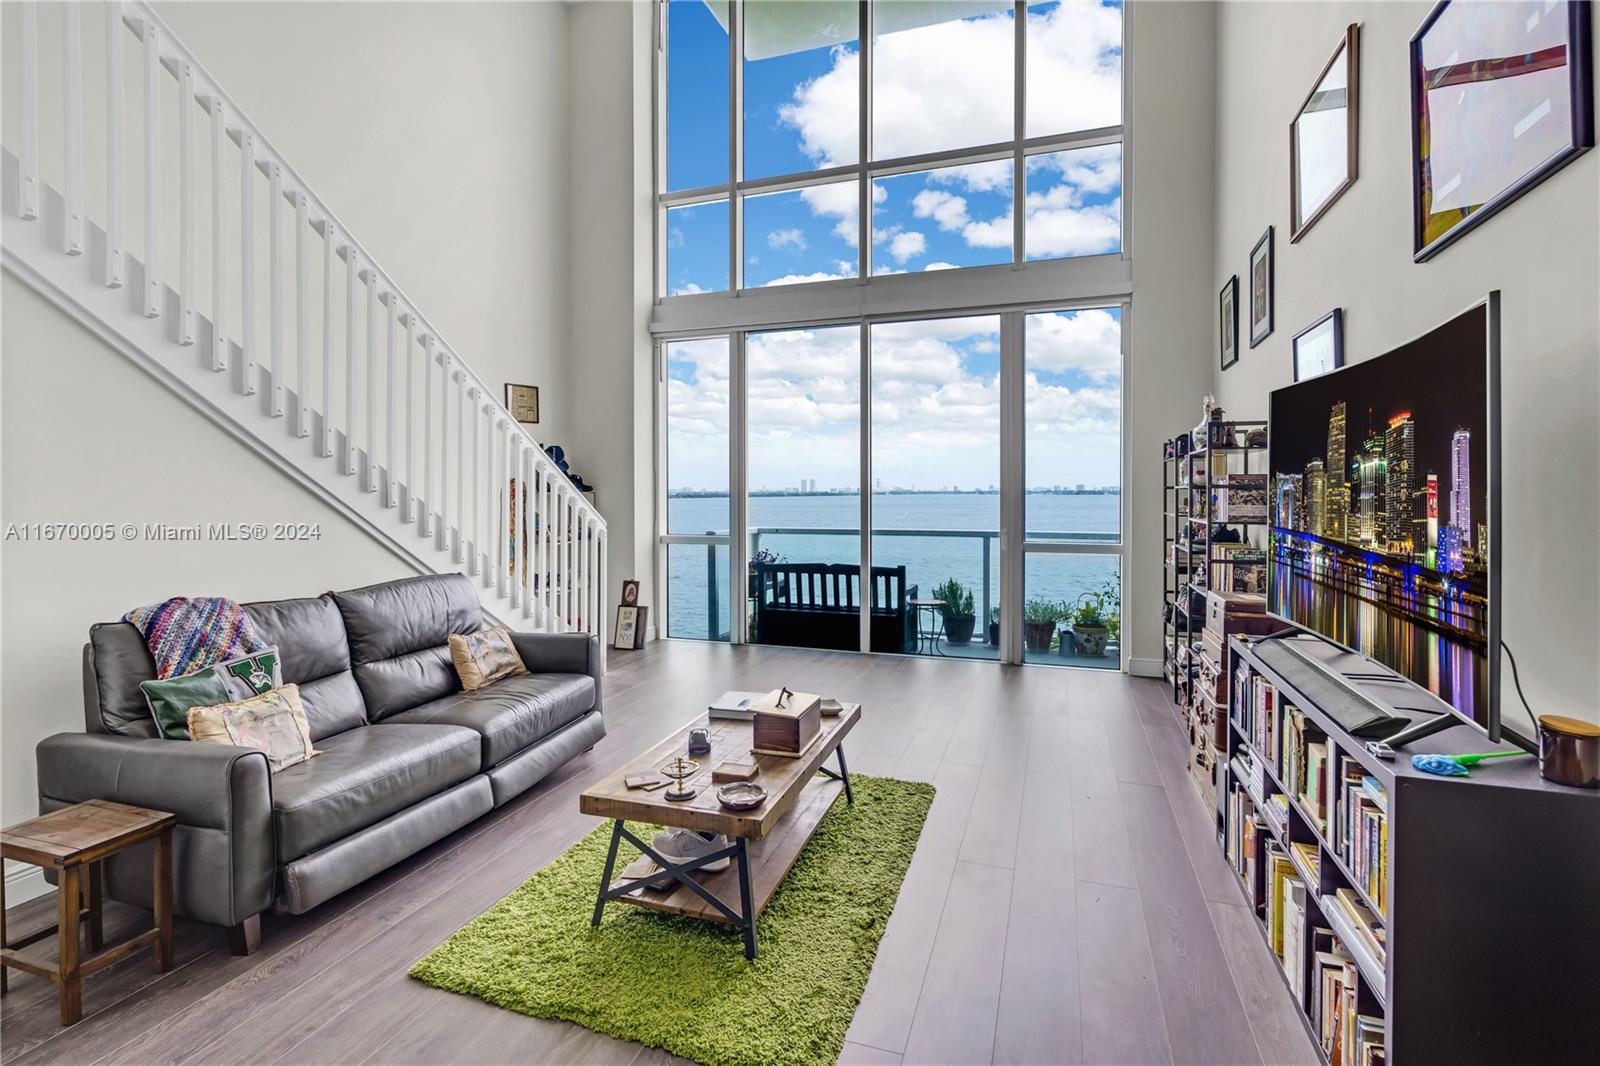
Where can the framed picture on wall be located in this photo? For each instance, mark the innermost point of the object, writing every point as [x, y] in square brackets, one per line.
[1319, 347]
[1502, 96]
[523, 402]
[1228, 322]
[1261, 289]
[1323, 136]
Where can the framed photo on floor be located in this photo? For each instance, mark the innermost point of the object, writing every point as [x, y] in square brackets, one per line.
[1323, 137]
[1261, 289]
[1228, 322]
[1319, 347]
[625, 633]
[1502, 96]
[630, 593]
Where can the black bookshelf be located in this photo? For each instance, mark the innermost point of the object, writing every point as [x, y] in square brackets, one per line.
[1490, 906]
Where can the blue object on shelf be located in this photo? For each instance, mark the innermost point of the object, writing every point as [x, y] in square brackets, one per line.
[1443, 765]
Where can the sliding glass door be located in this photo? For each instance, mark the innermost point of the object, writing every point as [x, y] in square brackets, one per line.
[695, 413]
[969, 419]
[935, 484]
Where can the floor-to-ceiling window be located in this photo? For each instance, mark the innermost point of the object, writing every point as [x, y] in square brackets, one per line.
[869, 204]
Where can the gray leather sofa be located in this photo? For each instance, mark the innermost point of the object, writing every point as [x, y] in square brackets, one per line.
[406, 757]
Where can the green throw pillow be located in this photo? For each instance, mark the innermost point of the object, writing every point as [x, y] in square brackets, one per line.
[229, 682]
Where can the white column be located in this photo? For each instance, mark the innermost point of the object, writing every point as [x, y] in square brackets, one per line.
[219, 239]
[275, 286]
[28, 101]
[246, 378]
[152, 169]
[114, 138]
[302, 316]
[72, 106]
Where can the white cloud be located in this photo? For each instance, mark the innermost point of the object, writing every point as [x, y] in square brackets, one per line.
[907, 245]
[688, 288]
[839, 200]
[1089, 342]
[787, 238]
[948, 85]
[801, 279]
[945, 208]
[940, 265]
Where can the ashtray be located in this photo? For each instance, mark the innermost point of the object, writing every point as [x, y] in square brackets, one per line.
[830, 706]
[741, 795]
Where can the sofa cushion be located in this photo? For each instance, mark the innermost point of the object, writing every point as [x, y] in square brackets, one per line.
[511, 714]
[363, 776]
[398, 633]
[309, 634]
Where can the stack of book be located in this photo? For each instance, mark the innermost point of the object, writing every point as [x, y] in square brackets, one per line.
[1348, 1037]
[1303, 764]
[1245, 833]
[1366, 836]
[1286, 916]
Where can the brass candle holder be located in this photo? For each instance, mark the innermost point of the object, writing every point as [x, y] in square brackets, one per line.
[680, 770]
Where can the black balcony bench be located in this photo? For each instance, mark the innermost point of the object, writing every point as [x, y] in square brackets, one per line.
[817, 605]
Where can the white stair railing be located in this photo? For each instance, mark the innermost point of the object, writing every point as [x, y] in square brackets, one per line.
[393, 408]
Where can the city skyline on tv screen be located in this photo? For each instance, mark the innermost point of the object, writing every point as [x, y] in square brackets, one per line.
[1379, 508]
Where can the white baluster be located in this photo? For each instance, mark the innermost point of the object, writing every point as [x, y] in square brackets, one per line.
[185, 200]
[506, 531]
[563, 559]
[369, 480]
[347, 462]
[460, 547]
[425, 511]
[72, 106]
[408, 501]
[473, 564]
[302, 316]
[275, 286]
[325, 441]
[219, 238]
[515, 564]
[28, 97]
[390, 499]
[114, 119]
[524, 542]
[602, 593]
[538, 586]
[441, 540]
[152, 169]
[246, 378]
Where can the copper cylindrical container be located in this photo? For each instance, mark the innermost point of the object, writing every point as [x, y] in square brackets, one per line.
[1569, 751]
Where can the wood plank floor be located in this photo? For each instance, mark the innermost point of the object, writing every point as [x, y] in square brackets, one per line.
[1066, 902]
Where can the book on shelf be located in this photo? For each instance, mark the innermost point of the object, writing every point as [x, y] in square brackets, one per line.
[1293, 908]
[1366, 924]
[1307, 856]
[1278, 868]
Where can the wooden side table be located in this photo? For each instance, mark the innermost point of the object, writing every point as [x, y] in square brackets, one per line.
[72, 841]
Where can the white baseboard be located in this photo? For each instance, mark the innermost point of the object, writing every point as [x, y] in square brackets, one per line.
[1144, 667]
[24, 883]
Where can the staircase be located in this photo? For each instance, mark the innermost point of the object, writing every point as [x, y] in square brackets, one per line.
[318, 362]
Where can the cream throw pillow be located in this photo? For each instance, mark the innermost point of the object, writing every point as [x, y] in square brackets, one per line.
[485, 656]
[273, 722]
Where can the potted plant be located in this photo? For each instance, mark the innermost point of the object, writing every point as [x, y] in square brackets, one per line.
[1039, 618]
[1091, 625]
[994, 627]
[959, 621]
[765, 555]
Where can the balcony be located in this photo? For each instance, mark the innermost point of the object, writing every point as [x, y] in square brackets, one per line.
[806, 592]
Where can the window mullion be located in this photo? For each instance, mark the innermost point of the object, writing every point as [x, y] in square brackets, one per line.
[735, 144]
[864, 151]
[1019, 169]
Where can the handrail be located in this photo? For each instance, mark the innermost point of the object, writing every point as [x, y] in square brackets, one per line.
[265, 157]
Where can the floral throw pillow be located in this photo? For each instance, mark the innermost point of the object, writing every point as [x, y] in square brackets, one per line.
[485, 657]
[273, 722]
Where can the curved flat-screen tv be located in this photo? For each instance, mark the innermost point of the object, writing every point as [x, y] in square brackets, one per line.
[1385, 516]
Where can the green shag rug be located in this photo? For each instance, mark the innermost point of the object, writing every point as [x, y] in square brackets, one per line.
[683, 984]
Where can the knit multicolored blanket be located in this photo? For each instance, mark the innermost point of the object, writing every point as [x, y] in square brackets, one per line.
[185, 635]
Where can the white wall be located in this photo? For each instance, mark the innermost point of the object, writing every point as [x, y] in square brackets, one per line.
[439, 134]
[609, 252]
[1172, 70]
[1542, 252]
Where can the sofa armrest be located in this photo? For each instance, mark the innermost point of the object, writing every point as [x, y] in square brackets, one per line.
[562, 653]
[224, 862]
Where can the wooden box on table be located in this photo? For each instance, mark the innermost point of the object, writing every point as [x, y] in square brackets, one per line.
[788, 729]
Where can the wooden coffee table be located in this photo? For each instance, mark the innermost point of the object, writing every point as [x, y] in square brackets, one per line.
[766, 840]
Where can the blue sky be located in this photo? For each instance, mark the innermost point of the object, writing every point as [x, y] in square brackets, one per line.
[947, 85]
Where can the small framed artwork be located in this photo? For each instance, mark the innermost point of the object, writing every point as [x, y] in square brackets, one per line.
[1319, 347]
[630, 593]
[1228, 322]
[626, 633]
[1322, 138]
[523, 402]
[1261, 289]
[1502, 96]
